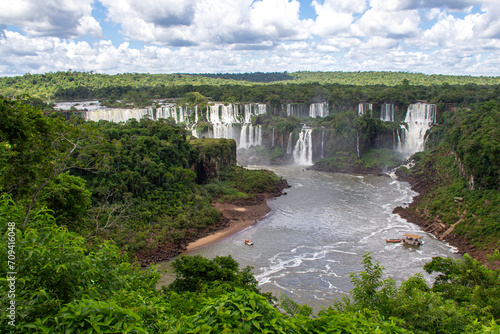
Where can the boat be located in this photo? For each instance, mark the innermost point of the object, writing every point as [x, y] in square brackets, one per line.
[412, 239]
[248, 242]
[393, 240]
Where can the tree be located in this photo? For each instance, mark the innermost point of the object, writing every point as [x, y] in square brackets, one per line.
[194, 273]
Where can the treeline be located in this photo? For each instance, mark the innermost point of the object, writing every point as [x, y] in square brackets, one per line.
[86, 85]
[256, 77]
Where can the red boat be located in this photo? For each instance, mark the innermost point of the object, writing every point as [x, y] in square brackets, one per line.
[393, 240]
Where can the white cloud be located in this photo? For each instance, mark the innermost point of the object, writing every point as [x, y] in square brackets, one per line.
[430, 36]
[387, 23]
[59, 18]
[336, 17]
[189, 22]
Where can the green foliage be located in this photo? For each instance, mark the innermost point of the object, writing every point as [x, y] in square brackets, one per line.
[253, 181]
[91, 316]
[477, 213]
[293, 308]
[472, 133]
[241, 311]
[423, 309]
[67, 197]
[27, 140]
[194, 273]
[375, 158]
[240, 183]
[363, 321]
[143, 195]
[370, 291]
[129, 87]
[469, 283]
[342, 161]
[59, 278]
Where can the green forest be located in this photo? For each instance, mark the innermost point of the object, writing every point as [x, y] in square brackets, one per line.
[244, 87]
[82, 201]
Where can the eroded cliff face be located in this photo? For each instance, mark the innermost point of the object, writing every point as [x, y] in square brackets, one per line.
[213, 156]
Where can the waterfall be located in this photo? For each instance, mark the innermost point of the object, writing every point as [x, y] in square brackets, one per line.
[297, 110]
[178, 113]
[117, 115]
[318, 110]
[303, 111]
[272, 139]
[387, 112]
[364, 107]
[357, 144]
[419, 119]
[225, 118]
[302, 153]
[250, 136]
[289, 144]
[80, 106]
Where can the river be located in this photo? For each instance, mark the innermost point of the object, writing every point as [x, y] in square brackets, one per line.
[316, 235]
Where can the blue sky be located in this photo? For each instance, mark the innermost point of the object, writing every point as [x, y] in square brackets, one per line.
[459, 37]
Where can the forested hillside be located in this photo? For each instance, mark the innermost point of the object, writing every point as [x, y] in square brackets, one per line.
[458, 177]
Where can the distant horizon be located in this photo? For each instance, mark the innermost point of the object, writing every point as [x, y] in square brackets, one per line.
[255, 72]
[441, 37]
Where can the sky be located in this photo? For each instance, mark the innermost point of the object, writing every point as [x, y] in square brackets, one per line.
[456, 37]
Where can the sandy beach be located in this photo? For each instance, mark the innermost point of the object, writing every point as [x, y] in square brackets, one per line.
[241, 214]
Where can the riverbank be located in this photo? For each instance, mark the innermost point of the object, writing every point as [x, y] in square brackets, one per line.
[432, 224]
[240, 214]
[236, 216]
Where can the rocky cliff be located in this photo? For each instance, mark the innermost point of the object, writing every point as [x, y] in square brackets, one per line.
[213, 156]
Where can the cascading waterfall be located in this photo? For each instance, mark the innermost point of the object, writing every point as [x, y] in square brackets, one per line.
[232, 121]
[318, 110]
[302, 153]
[357, 144]
[297, 110]
[118, 115]
[178, 113]
[363, 108]
[387, 112]
[419, 119]
[81, 106]
[221, 117]
[251, 135]
[289, 144]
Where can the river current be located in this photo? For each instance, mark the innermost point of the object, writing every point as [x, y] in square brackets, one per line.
[316, 235]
